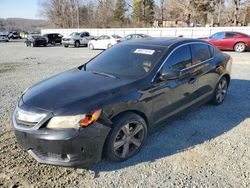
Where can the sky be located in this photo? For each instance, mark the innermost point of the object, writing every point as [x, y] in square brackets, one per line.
[19, 9]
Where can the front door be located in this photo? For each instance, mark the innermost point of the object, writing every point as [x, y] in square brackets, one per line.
[172, 96]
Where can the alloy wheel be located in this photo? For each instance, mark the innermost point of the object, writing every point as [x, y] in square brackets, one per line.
[240, 47]
[128, 139]
[221, 90]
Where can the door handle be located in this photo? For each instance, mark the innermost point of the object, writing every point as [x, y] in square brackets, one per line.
[192, 80]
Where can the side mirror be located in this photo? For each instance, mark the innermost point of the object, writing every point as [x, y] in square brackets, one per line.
[169, 75]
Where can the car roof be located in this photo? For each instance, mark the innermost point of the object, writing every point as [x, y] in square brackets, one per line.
[163, 41]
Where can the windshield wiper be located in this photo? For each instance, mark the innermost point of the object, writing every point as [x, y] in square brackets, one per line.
[104, 74]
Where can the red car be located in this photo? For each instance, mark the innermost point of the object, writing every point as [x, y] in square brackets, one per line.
[230, 40]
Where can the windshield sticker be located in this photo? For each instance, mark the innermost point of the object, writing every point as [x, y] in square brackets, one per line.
[144, 51]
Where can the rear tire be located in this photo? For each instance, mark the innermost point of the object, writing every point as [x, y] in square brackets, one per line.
[240, 47]
[126, 138]
[220, 91]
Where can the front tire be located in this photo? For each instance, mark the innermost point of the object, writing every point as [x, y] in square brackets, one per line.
[91, 46]
[126, 137]
[77, 44]
[240, 47]
[109, 46]
[220, 91]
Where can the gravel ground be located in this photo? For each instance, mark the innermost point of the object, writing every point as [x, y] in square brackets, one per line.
[208, 147]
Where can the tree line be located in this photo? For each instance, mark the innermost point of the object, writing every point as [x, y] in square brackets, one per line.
[145, 13]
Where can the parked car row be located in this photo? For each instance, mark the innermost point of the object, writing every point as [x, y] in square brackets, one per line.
[77, 39]
[226, 40]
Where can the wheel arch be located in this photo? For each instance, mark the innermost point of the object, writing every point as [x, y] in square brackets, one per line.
[228, 77]
[135, 111]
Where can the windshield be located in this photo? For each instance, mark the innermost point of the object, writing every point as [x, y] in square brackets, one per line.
[129, 61]
[74, 34]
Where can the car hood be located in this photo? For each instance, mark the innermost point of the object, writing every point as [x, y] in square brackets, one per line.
[74, 91]
[71, 37]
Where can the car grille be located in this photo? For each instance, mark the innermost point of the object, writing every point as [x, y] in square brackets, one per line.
[29, 119]
[25, 124]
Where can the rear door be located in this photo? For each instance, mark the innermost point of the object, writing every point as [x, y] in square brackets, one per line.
[172, 96]
[229, 40]
[203, 69]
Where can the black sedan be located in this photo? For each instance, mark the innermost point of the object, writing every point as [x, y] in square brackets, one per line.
[107, 107]
[54, 38]
[36, 40]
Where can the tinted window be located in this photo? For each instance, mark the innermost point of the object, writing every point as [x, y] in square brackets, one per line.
[211, 50]
[130, 61]
[230, 35]
[200, 52]
[128, 37]
[218, 36]
[116, 36]
[179, 59]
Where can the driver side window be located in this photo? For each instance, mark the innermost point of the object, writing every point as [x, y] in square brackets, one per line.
[179, 59]
[218, 36]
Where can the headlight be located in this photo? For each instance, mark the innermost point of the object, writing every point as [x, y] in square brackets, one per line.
[65, 122]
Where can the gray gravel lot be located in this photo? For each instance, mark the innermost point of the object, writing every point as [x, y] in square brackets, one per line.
[208, 147]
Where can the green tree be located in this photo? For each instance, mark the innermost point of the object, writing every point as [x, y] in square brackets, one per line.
[148, 11]
[202, 8]
[119, 12]
[143, 11]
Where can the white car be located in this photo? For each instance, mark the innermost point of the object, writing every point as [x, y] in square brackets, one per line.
[104, 42]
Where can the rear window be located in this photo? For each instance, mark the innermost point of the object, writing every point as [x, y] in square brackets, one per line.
[200, 53]
[231, 35]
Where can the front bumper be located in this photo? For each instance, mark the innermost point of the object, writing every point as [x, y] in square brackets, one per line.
[71, 147]
[68, 42]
